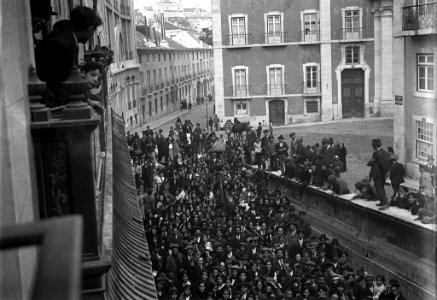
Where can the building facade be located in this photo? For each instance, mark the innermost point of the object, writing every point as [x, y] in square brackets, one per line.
[294, 61]
[414, 81]
[171, 75]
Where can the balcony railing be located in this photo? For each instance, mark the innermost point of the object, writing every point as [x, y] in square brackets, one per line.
[241, 91]
[420, 16]
[276, 89]
[311, 88]
[355, 33]
[274, 38]
[239, 39]
[309, 36]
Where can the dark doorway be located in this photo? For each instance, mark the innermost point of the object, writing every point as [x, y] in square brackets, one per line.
[277, 112]
[352, 92]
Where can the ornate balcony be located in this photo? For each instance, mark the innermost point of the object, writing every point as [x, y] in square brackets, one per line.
[241, 91]
[352, 33]
[273, 38]
[276, 89]
[421, 16]
[239, 40]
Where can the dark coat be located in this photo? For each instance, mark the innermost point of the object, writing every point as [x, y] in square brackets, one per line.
[397, 173]
[56, 54]
[379, 165]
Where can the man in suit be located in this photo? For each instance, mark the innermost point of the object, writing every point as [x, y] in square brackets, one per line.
[378, 172]
[56, 55]
[430, 168]
[396, 174]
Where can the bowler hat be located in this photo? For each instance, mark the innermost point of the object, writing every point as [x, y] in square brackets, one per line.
[281, 137]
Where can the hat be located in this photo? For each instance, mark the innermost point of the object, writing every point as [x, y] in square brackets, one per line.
[243, 244]
[323, 236]
[335, 277]
[369, 277]
[281, 137]
[271, 137]
[302, 213]
[312, 245]
[292, 134]
[235, 267]
[174, 245]
[335, 241]
[243, 284]
[252, 239]
[189, 247]
[299, 139]
[310, 263]
[376, 143]
[258, 256]
[265, 249]
[299, 231]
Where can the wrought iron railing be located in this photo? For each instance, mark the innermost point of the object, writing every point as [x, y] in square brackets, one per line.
[419, 16]
[310, 35]
[239, 39]
[274, 37]
[241, 91]
[276, 89]
[352, 33]
[311, 87]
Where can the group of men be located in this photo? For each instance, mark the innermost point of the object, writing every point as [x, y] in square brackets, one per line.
[215, 232]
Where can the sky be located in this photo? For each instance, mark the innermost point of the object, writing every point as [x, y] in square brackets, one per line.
[205, 4]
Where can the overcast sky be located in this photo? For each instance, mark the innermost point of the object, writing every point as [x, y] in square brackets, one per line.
[205, 4]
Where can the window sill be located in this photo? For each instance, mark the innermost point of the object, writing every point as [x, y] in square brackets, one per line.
[426, 95]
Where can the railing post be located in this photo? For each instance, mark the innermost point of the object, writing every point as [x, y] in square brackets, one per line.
[64, 163]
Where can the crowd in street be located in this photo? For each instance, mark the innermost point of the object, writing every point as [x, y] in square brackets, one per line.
[215, 231]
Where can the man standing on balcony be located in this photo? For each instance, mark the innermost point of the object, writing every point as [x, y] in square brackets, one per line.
[56, 55]
[378, 172]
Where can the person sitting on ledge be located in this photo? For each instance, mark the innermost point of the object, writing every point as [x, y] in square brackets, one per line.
[365, 189]
[56, 55]
[337, 185]
[401, 198]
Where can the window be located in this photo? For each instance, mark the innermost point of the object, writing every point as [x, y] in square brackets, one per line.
[148, 79]
[150, 108]
[425, 72]
[312, 106]
[240, 88]
[154, 76]
[310, 27]
[352, 20]
[311, 78]
[352, 23]
[147, 57]
[238, 31]
[274, 29]
[424, 139]
[241, 109]
[275, 81]
[156, 105]
[352, 55]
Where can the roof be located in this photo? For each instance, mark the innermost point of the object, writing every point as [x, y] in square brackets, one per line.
[131, 274]
[141, 36]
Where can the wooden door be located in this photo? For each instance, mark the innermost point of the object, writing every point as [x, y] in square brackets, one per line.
[277, 112]
[352, 92]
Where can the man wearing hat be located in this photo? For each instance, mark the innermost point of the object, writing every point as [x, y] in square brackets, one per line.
[175, 259]
[368, 290]
[338, 185]
[378, 172]
[282, 150]
[304, 225]
[396, 174]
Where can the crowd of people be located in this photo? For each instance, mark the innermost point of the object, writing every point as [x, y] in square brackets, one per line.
[215, 231]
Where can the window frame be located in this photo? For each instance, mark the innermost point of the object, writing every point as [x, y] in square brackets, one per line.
[275, 36]
[311, 36]
[239, 92]
[430, 143]
[312, 100]
[235, 41]
[426, 65]
[236, 112]
[358, 55]
[281, 90]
